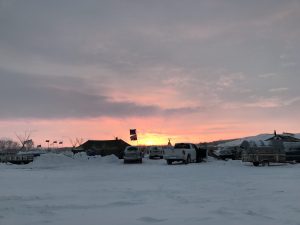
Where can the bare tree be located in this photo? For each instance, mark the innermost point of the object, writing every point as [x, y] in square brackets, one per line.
[76, 142]
[8, 146]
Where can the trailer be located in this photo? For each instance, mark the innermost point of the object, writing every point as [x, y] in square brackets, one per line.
[264, 155]
[16, 158]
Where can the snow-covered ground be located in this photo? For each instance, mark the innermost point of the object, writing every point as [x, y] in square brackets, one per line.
[56, 189]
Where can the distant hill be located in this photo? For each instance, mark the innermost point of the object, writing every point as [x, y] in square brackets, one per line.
[214, 143]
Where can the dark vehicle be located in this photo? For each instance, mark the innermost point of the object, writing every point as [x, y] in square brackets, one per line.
[201, 154]
[228, 152]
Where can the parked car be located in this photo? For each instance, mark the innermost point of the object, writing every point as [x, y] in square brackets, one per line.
[133, 154]
[184, 152]
[228, 152]
[155, 152]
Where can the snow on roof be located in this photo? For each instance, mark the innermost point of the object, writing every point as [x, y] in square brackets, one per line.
[258, 139]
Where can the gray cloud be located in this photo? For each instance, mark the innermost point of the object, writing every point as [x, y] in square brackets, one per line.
[61, 58]
[29, 96]
[129, 34]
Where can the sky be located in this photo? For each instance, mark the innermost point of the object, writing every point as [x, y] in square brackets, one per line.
[186, 70]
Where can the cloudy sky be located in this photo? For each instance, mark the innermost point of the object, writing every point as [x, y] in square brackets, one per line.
[194, 70]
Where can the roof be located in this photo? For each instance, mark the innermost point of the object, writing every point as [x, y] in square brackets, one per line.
[101, 144]
[283, 138]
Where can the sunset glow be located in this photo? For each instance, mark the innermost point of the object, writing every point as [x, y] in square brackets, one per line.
[186, 71]
[153, 139]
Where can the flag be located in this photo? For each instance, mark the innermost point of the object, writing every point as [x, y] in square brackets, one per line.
[133, 137]
[54, 142]
[132, 131]
[60, 143]
[47, 140]
[39, 146]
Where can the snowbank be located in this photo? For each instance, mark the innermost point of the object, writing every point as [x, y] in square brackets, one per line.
[58, 160]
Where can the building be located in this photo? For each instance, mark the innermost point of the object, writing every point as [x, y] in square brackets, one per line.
[103, 147]
[285, 137]
[289, 143]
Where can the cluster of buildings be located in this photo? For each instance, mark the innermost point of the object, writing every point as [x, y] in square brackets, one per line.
[285, 143]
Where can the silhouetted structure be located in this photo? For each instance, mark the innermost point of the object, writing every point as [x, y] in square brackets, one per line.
[103, 147]
[283, 138]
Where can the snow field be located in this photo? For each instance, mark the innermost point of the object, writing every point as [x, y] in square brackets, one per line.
[61, 190]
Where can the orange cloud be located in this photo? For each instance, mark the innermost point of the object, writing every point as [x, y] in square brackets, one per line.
[150, 130]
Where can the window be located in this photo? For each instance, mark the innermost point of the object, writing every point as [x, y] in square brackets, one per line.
[132, 149]
[182, 145]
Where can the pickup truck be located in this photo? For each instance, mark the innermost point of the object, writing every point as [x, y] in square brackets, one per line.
[184, 152]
